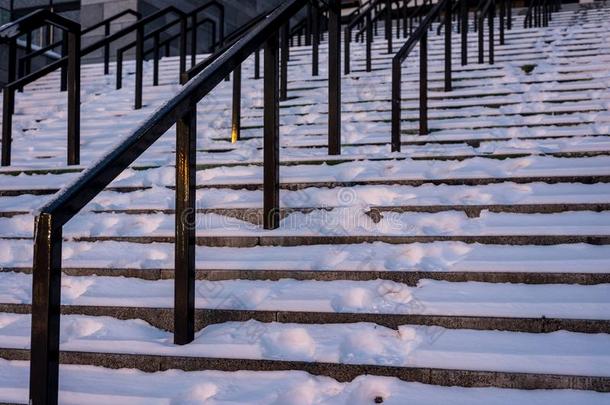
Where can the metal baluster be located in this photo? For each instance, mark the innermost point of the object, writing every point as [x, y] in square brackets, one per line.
[448, 31]
[107, 49]
[464, 32]
[64, 51]
[490, 20]
[284, 62]
[257, 64]
[502, 17]
[156, 59]
[8, 97]
[334, 78]
[182, 44]
[46, 303]
[139, 66]
[388, 24]
[193, 40]
[347, 38]
[481, 38]
[315, 58]
[423, 84]
[396, 104]
[73, 80]
[369, 42]
[236, 112]
[184, 284]
[271, 150]
[119, 69]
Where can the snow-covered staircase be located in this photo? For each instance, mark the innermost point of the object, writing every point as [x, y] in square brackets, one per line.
[476, 261]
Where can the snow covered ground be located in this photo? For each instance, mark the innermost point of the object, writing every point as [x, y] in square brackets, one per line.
[531, 130]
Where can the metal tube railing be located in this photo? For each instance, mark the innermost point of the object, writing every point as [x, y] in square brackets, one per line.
[419, 36]
[180, 110]
[71, 80]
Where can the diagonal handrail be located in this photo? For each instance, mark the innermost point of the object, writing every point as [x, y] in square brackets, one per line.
[179, 110]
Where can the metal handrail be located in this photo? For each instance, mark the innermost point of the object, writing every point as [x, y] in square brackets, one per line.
[419, 36]
[9, 33]
[192, 16]
[24, 61]
[179, 110]
[74, 127]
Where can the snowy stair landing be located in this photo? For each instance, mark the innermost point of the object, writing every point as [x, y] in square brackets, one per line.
[475, 261]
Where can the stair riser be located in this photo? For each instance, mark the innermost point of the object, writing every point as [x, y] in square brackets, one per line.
[340, 372]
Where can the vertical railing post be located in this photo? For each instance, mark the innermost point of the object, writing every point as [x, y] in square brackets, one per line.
[221, 28]
[423, 84]
[182, 44]
[107, 49]
[334, 78]
[284, 62]
[119, 69]
[139, 66]
[398, 20]
[308, 25]
[502, 18]
[257, 64]
[396, 103]
[315, 57]
[184, 284]
[347, 37]
[271, 149]
[509, 14]
[63, 81]
[464, 31]
[156, 57]
[193, 39]
[369, 42]
[46, 302]
[388, 24]
[73, 98]
[28, 45]
[492, 12]
[8, 105]
[8, 97]
[448, 53]
[481, 34]
[236, 112]
[405, 16]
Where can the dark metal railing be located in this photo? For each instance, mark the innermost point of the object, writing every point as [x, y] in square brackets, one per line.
[182, 111]
[9, 34]
[25, 61]
[236, 102]
[363, 19]
[181, 20]
[419, 36]
[74, 102]
[194, 16]
[487, 10]
[540, 13]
